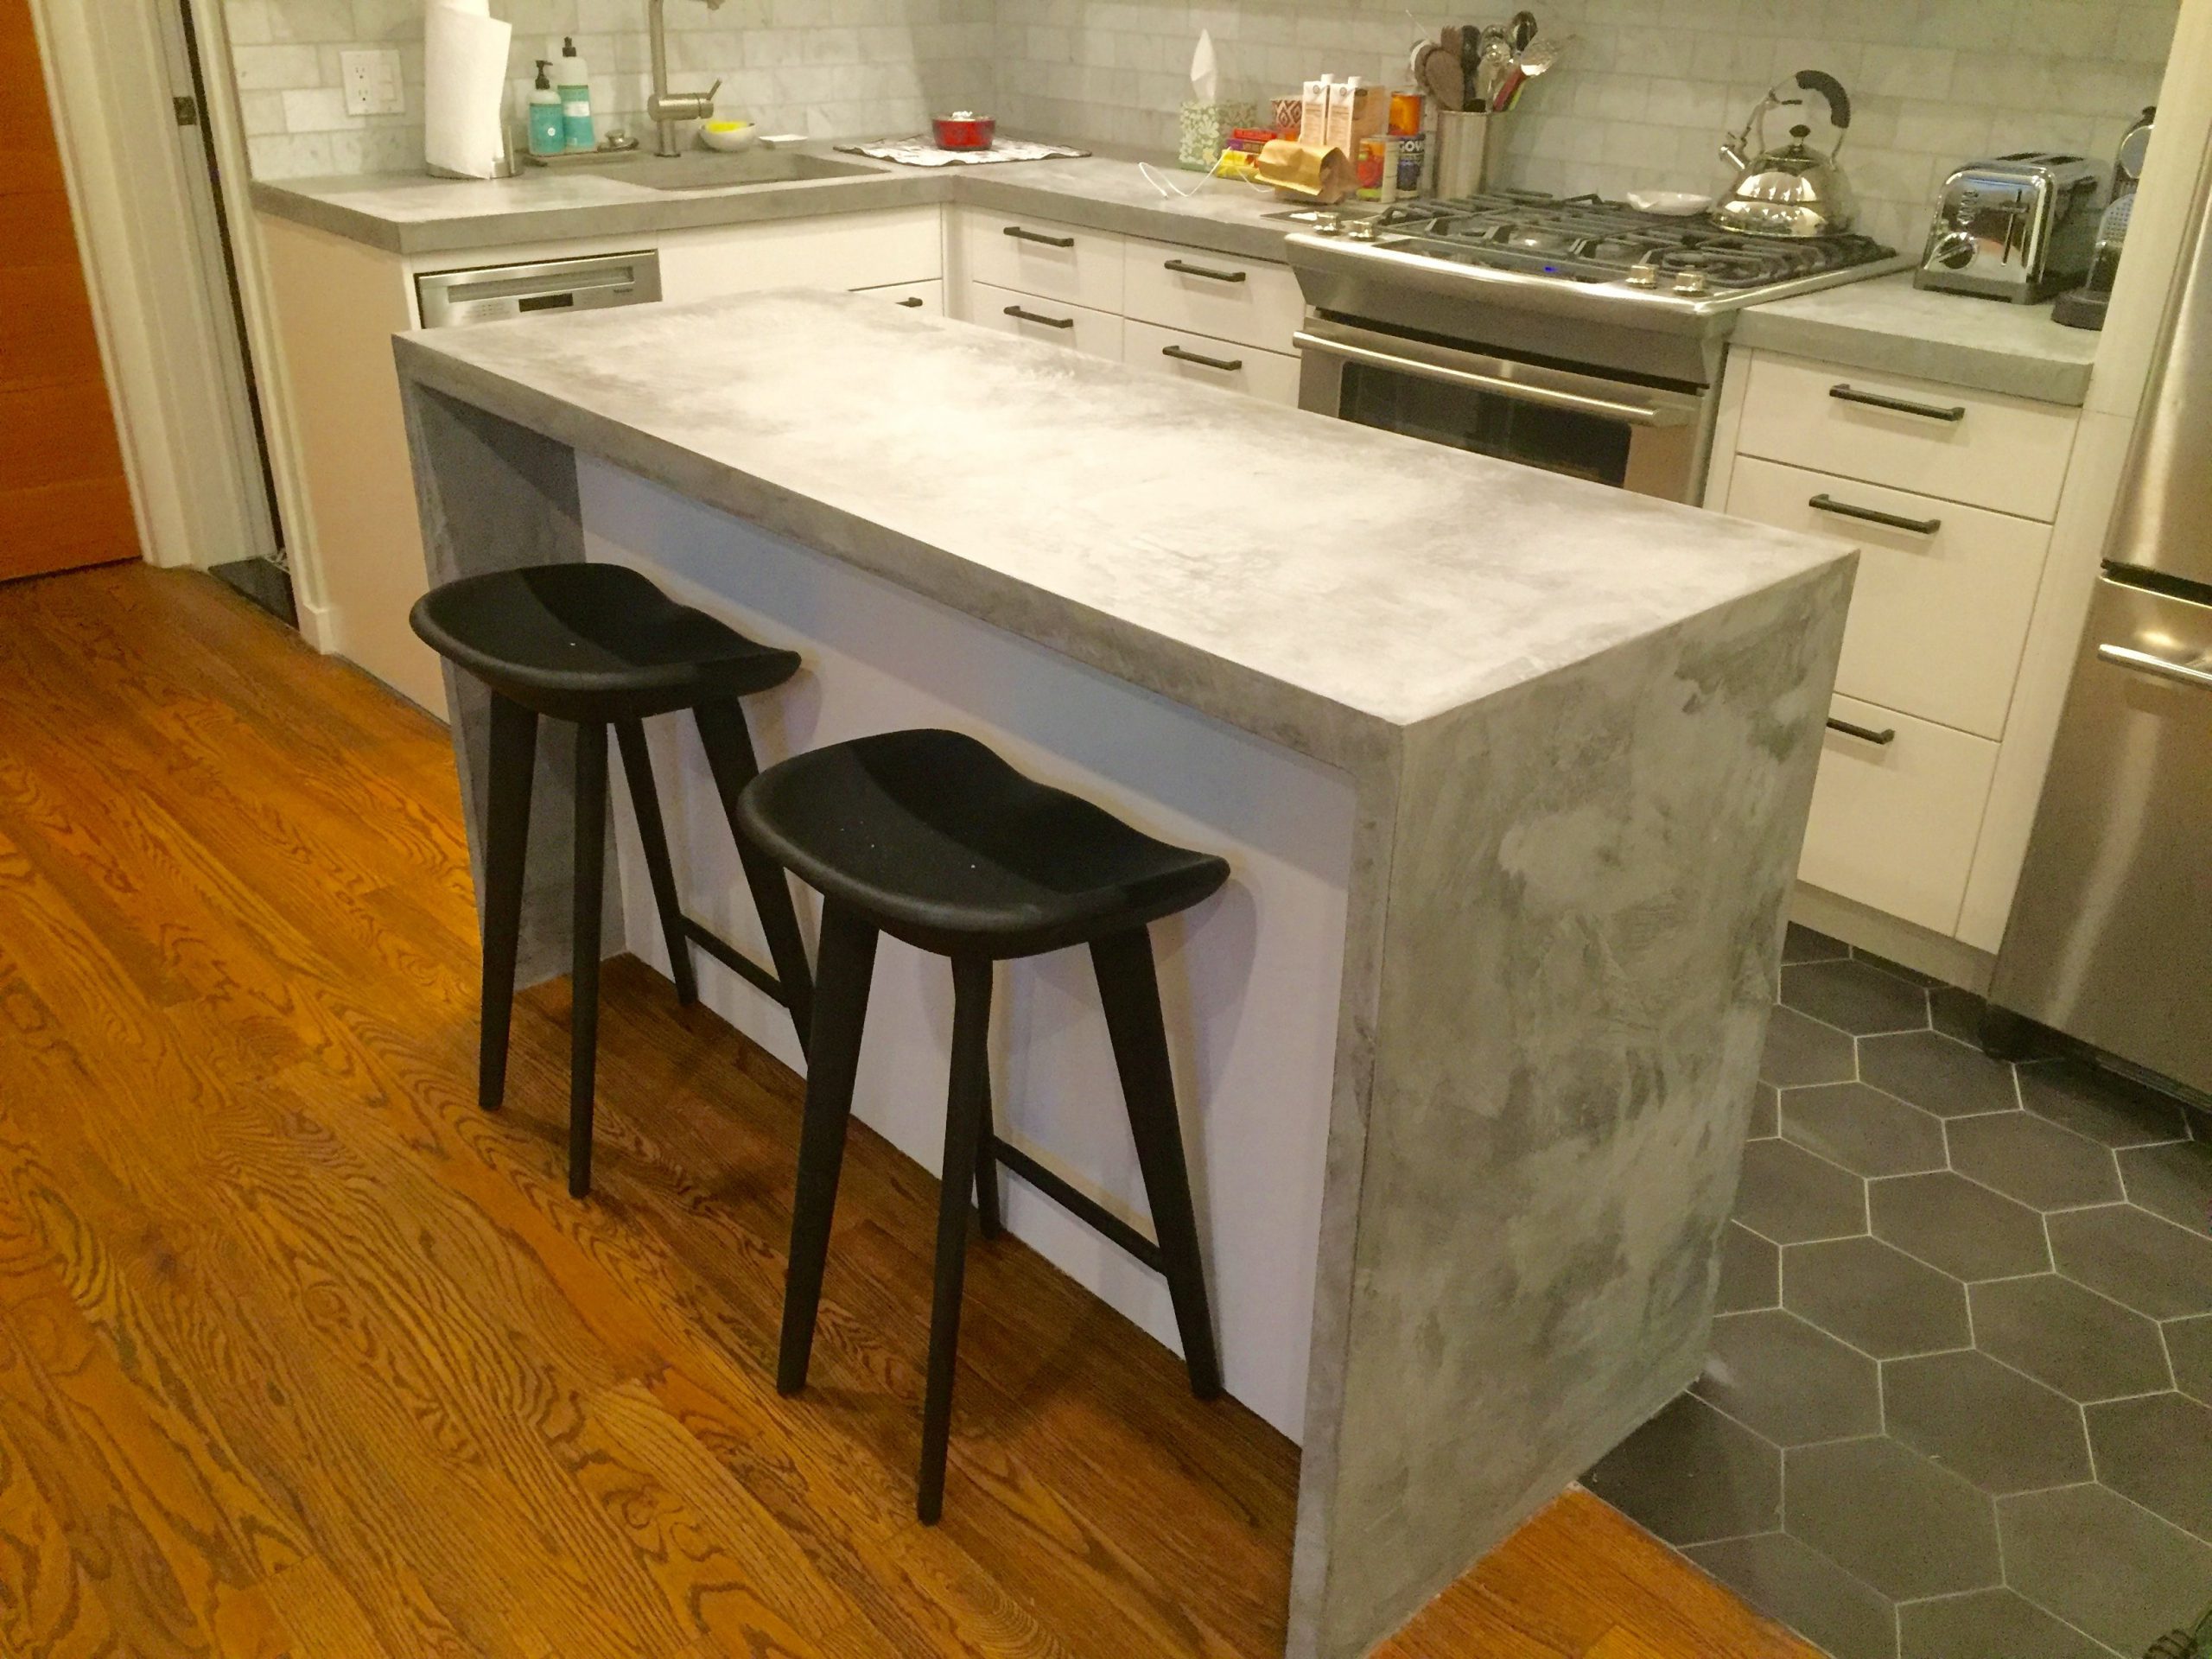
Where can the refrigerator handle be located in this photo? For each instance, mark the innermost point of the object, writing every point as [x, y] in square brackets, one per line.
[2144, 662]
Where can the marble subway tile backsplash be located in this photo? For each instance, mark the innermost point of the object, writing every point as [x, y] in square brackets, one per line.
[1639, 100]
[827, 68]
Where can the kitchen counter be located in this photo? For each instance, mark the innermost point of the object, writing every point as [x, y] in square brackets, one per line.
[1512, 770]
[1888, 326]
[409, 213]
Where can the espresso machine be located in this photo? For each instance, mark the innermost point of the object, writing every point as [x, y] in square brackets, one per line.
[2084, 306]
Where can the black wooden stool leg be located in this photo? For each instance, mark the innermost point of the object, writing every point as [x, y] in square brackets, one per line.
[645, 800]
[591, 883]
[840, 1014]
[506, 850]
[1130, 990]
[966, 1102]
[728, 742]
[987, 1161]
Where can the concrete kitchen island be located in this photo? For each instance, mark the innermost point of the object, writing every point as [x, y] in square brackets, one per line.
[1513, 772]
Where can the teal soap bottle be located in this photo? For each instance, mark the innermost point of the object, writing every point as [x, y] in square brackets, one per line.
[549, 134]
[575, 85]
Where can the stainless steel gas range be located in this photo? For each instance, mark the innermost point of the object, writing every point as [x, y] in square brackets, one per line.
[1572, 333]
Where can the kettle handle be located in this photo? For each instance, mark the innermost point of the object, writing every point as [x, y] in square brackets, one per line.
[1838, 101]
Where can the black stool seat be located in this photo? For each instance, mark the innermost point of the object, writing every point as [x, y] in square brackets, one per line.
[599, 646]
[939, 842]
[930, 837]
[557, 637]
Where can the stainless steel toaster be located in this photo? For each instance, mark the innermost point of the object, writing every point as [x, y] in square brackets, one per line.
[2018, 227]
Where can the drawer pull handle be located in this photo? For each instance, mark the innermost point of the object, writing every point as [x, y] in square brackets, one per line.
[1886, 736]
[1827, 503]
[1851, 394]
[1226, 365]
[2144, 662]
[1185, 268]
[1021, 316]
[1039, 237]
[913, 302]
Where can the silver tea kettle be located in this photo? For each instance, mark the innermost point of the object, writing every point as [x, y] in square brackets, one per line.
[1796, 190]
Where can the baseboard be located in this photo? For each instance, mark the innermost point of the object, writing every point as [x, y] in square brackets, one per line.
[319, 624]
[1950, 960]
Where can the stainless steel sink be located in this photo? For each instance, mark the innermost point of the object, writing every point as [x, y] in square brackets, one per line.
[705, 170]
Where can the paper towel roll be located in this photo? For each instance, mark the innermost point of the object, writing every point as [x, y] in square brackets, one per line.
[465, 94]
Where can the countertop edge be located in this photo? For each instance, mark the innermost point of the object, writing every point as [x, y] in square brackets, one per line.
[1974, 368]
[1303, 721]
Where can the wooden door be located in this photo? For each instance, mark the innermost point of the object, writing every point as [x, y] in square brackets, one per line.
[63, 501]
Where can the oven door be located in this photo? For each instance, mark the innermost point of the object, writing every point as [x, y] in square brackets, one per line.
[1648, 439]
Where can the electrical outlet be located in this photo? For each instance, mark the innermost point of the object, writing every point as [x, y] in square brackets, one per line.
[370, 78]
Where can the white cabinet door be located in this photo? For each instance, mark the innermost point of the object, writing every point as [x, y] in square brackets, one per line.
[1941, 610]
[904, 244]
[1095, 334]
[1896, 813]
[1253, 301]
[1208, 362]
[2007, 453]
[925, 297]
[1039, 256]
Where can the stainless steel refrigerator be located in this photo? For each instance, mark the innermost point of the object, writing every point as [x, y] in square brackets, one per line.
[2110, 938]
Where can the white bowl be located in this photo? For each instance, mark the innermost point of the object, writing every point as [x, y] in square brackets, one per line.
[1679, 203]
[728, 137]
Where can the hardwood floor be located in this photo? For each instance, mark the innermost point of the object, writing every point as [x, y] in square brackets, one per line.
[301, 1354]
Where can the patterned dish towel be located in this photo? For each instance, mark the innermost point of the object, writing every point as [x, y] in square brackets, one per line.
[920, 152]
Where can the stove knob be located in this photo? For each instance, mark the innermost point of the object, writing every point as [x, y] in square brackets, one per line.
[1691, 283]
[1360, 231]
[1327, 224]
[1643, 276]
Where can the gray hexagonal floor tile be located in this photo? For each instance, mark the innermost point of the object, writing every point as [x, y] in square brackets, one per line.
[2106, 1566]
[1855, 996]
[2026, 1158]
[1693, 1477]
[2074, 1340]
[1937, 1074]
[2158, 1452]
[1788, 1195]
[1750, 1271]
[1955, 1012]
[1891, 1517]
[2136, 1258]
[1865, 1130]
[1877, 1299]
[1800, 1050]
[1765, 1121]
[2173, 1181]
[1802, 943]
[1794, 1384]
[2105, 1108]
[1791, 1581]
[2189, 1345]
[1989, 1625]
[1975, 1417]
[1958, 1225]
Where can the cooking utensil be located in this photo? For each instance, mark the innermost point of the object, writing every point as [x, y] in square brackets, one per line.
[1796, 190]
[964, 130]
[1496, 64]
[1541, 53]
[1521, 29]
[1441, 77]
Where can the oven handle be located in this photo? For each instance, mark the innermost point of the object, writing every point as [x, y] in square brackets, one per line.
[1521, 391]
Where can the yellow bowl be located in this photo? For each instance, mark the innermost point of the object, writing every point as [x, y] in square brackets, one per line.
[729, 137]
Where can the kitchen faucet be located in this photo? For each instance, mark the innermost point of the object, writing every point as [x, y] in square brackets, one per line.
[665, 109]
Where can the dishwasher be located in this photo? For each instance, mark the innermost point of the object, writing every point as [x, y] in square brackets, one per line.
[448, 299]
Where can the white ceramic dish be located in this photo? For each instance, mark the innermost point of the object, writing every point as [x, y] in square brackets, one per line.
[728, 137]
[1679, 204]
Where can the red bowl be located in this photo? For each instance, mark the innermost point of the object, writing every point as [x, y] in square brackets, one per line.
[962, 130]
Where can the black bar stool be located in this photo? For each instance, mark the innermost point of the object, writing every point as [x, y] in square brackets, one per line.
[601, 645]
[930, 837]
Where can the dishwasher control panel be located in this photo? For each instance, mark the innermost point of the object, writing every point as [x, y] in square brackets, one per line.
[448, 299]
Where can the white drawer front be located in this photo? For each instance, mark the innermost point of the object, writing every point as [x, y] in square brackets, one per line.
[1252, 302]
[1095, 334]
[925, 297]
[2004, 453]
[1894, 824]
[1938, 620]
[902, 245]
[1036, 256]
[1209, 362]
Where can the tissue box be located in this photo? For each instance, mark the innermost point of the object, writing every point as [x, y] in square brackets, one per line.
[1204, 129]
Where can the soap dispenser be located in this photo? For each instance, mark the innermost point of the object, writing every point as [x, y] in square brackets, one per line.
[548, 133]
[575, 85]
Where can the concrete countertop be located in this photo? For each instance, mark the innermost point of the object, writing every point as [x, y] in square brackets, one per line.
[1888, 326]
[1196, 541]
[409, 213]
